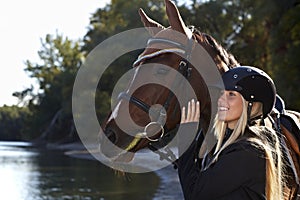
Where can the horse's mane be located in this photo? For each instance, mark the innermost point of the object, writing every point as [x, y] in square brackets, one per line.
[207, 41]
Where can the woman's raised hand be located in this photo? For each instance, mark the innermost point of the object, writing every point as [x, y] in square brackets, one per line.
[192, 114]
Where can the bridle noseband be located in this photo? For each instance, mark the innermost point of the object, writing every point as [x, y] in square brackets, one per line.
[146, 108]
[139, 103]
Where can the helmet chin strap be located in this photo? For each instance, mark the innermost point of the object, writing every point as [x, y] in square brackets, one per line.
[262, 121]
[249, 109]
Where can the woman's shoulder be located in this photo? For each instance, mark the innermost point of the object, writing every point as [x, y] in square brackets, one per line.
[245, 154]
[246, 145]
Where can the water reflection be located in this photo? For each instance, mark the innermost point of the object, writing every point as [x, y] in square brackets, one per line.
[18, 172]
[29, 174]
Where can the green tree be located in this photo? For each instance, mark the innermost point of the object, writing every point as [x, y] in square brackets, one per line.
[269, 39]
[51, 106]
[12, 120]
[259, 33]
[118, 16]
[284, 48]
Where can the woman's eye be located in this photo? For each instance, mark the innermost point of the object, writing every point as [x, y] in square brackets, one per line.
[232, 94]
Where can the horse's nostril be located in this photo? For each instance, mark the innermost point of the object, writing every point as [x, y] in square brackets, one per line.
[110, 134]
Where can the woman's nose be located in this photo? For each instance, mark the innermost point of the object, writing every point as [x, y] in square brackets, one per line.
[222, 96]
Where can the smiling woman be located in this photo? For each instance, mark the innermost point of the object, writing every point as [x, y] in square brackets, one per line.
[246, 162]
[230, 107]
[24, 23]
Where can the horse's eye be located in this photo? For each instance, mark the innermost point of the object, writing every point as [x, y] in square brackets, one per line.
[162, 71]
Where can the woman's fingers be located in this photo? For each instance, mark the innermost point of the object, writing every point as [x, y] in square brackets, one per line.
[189, 114]
[193, 112]
[183, 115]
[197, 114]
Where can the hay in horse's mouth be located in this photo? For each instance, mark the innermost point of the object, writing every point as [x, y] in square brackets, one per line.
[134, 142]
[128, 153]
[124, 157]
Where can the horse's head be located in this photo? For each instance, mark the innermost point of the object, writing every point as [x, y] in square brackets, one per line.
[165, 78]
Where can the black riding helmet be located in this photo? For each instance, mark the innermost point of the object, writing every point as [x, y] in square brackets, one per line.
[253, 84]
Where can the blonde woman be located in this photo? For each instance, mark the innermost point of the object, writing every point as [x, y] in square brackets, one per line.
[246, 162]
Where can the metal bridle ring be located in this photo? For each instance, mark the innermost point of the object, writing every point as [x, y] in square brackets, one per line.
[147, 126]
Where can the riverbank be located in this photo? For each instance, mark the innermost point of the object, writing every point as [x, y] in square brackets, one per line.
[169, 187]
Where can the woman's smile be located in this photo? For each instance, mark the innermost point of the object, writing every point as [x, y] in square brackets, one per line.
[230, 107]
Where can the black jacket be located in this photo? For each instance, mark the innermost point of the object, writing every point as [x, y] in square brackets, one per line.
[239, 173]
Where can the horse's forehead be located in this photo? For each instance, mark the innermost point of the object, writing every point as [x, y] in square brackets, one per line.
[172, 35]
[167, 34]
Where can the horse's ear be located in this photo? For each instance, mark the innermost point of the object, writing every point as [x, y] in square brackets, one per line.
[148, 23]
[175, 18]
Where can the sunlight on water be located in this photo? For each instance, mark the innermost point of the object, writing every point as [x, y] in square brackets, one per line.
[27, 173]
[17, 172]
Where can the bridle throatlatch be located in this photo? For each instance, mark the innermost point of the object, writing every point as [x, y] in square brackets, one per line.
[158, 144]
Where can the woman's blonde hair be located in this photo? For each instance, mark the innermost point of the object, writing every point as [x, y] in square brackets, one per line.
[264, 138]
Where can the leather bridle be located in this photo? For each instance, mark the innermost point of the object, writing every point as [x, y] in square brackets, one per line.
[184, 69]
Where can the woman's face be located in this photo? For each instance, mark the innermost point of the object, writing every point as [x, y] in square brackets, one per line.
[230, 107]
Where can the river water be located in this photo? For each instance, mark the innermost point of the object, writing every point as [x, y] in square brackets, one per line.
[27, 173]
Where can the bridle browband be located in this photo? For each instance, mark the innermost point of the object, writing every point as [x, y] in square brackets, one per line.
[184, 70]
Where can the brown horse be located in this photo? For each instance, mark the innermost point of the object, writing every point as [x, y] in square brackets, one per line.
[165, 49]
[152, 108]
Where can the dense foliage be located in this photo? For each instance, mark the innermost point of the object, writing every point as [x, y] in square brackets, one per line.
[265, 34]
